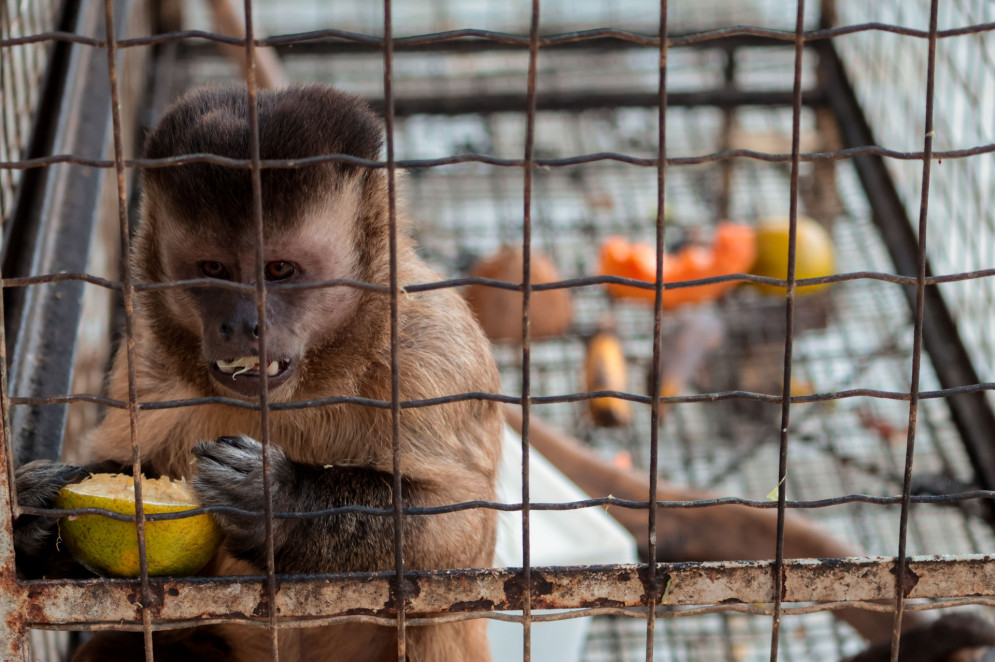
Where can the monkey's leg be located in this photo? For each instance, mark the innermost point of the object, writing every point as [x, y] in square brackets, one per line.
[720, 533]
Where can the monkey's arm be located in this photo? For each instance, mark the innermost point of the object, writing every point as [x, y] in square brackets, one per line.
[722, 533]
[230, 473]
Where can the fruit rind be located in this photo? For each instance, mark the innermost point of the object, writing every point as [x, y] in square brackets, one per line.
[110, 547]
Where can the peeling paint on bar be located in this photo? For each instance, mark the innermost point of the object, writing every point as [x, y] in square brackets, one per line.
[108, 602]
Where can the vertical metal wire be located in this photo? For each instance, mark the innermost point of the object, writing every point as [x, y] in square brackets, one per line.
[395, 369]
[9, 628]
[526, 322]
[16, 84]
[653, 590]
[257, 217]
[128, 291]
[13, 149]
[789, 326]
[903, 527]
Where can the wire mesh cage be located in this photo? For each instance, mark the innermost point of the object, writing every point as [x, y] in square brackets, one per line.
[552, 129]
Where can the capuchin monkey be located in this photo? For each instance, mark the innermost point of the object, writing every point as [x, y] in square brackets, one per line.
[320, 222]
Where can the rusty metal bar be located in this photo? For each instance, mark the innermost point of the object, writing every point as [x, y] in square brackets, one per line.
[526, 394]
[129, 339]
[397, 497]
[257, 217]
[789, 325]
[919, 315]
[11, 627]
[653, 587]
[89, 603]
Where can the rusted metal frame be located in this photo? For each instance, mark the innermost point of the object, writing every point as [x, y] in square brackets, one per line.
[412, 164]
[260, 274]
[526, 394]
[970, 411]
[653, 588]
[11, 596]
[145, 597]
[397, 501]
[306, 599]
[779, 578]
[919, 314]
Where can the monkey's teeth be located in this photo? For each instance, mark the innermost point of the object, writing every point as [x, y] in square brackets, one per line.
[247, 364]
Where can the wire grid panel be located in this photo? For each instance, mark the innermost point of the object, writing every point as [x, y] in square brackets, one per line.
[849, 446]
[636, 333]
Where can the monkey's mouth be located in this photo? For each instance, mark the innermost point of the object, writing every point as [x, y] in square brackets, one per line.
[243, 374]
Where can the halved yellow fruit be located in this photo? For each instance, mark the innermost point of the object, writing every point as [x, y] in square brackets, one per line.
[110, 547]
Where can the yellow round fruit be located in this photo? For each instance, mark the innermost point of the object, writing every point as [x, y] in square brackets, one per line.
[110, 547]
[815, 255]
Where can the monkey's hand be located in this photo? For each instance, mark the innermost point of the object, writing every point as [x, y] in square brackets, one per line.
[37, 484]
[230, 473]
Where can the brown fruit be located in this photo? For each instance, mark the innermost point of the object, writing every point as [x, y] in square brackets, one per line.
[500, 311]
[605, 370]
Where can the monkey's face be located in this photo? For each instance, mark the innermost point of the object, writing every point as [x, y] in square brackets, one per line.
[320, 247]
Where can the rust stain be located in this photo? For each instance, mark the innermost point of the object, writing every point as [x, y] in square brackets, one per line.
[483, 604]
[652, 587]
[514, 590]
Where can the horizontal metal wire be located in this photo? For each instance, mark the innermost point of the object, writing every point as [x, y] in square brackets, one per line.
[412, 164]
[942, 499]
[498, 397]
[571, 283]
[400, 43]
[753, 609]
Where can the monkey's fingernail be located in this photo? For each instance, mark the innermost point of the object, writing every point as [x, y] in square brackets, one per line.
[74, 474]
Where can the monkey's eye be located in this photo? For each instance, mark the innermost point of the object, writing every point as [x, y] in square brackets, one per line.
[280, 270]
[213, 269]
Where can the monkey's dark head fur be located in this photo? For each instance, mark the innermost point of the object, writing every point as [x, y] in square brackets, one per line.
[322, 221]
[294, 123]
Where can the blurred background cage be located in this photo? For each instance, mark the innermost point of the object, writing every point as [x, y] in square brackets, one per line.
[728, 88]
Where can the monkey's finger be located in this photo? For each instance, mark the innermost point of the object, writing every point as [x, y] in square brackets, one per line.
[234, 456]
[38, 482]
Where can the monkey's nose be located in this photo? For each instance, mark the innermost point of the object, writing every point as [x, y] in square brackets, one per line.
[226, 331]
[255, 331]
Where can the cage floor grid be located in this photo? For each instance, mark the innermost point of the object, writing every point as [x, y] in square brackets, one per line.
[858, 335]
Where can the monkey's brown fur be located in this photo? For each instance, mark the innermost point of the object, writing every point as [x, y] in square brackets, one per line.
[334, 219]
